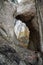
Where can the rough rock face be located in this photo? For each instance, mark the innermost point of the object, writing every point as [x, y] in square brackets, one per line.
[26, 11]
[9, 54]
[41, 14]
[8, 12]
[6, 20]
[12, 58]
[30, 18]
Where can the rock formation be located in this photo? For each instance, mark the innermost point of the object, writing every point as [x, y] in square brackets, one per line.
[10, 12]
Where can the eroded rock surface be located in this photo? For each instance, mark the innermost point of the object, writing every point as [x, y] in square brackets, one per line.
[8, 13]
[13, 58]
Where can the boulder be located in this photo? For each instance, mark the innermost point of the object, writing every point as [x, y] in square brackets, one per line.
[22, 32]
[26, 11]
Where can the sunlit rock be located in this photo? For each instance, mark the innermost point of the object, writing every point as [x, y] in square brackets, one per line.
[22, 32]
